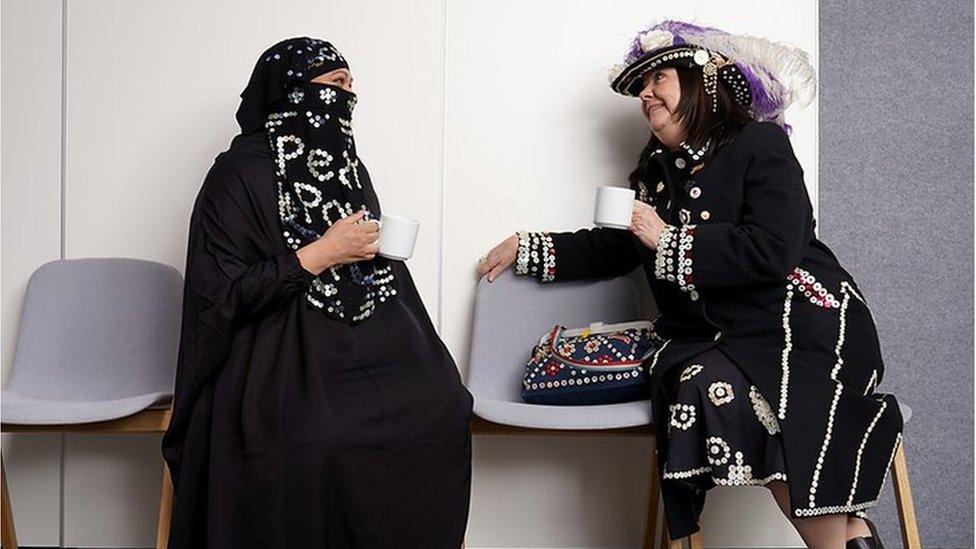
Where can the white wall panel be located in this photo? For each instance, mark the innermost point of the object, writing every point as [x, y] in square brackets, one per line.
[111, 490]
[30, 230]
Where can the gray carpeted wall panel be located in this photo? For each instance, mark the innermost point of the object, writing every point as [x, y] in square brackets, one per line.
[896, 205]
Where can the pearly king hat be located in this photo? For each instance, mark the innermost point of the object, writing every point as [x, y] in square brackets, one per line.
[764, 76]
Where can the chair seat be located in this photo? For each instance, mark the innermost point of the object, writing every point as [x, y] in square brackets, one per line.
[538, 416]
[27, 410]
[611, 416]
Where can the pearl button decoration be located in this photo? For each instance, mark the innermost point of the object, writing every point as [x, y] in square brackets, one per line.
[536, 256]
[720, 393]
[701, 57]
[764, 413]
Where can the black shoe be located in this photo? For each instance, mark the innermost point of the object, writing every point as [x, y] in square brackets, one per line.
[861, 542]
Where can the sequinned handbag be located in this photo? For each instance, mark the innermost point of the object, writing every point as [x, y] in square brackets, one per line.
[600, 364]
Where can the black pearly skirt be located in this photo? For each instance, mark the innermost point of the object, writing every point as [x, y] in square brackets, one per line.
[722, 431]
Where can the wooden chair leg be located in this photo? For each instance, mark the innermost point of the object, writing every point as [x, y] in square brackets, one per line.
[666, 541]
[650, 526]
[675, 543]
[165, 510]
[9, 534]
[664, 534]
[695, 541]
[903, 501]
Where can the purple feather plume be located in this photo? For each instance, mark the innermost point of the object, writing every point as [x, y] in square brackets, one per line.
[778, 75]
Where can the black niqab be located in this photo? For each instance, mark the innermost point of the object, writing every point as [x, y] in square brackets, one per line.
[309, 131]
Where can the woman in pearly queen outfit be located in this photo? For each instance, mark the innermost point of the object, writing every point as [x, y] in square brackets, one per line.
[768, 362]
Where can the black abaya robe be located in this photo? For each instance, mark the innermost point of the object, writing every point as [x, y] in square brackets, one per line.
[291, 429]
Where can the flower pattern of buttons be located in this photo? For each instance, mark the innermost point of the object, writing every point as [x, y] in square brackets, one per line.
[739, 473]
[683, 416]
[296, 95]
[718, 451]
[720, 393]
[327, 95]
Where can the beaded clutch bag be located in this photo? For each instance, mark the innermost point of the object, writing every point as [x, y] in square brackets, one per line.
[600, 364]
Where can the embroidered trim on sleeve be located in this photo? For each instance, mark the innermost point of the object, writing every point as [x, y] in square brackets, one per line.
[686, 238]
[664, 260]
[674, 256]
[536, 256]
[522, 259]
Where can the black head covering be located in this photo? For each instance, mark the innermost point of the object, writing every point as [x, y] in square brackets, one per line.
[318, 174]
[278, 70]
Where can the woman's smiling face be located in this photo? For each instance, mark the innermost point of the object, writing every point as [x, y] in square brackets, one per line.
[659, 99]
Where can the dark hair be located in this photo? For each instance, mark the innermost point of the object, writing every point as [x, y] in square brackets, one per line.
[694, 110]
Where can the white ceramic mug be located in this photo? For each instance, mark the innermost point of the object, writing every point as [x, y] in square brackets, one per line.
[614, 207]
[398, 235]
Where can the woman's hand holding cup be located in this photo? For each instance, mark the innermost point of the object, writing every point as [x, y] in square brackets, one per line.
[498, 259]
[348, 240]
[646, 224]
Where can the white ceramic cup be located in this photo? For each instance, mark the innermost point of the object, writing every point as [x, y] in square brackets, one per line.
[614, 207]
[398, 235]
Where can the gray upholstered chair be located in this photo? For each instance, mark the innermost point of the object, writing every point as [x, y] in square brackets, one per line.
[510, 315]
[96, 352]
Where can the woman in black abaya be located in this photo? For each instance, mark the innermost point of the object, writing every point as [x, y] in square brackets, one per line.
[315, 404]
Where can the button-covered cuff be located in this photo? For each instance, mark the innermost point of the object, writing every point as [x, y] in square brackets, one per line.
[536, 256]
[674, 257]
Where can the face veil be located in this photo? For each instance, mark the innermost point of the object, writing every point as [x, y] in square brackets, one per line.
[318, 175]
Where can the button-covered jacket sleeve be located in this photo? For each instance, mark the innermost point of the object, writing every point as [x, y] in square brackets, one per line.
[584, 254]
[771, 235]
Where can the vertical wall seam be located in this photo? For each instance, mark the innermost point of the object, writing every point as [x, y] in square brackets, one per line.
[64, 109]
[64, 140]
[443, 170]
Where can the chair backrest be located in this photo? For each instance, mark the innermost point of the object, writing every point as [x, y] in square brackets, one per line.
[95, 329]
[512, 313]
